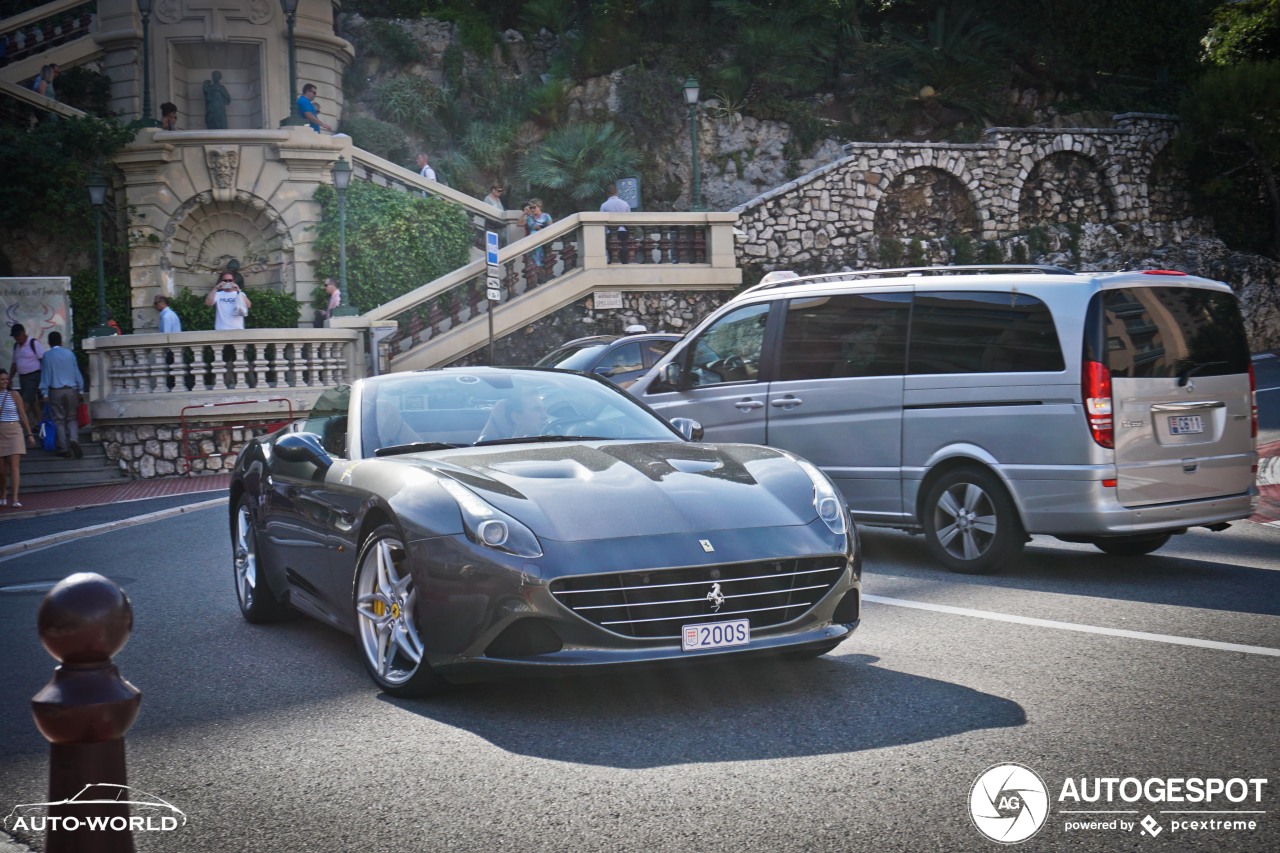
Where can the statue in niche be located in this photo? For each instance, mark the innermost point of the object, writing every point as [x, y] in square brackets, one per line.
[216, 99]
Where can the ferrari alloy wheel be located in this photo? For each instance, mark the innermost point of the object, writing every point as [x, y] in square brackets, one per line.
[258, 603]
[970, 522]
[386, 618]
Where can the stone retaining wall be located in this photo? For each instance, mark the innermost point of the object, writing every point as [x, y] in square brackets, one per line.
[156, 450]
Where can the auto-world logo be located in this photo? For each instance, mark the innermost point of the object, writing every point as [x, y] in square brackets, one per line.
[148, 813]
[1009, 803]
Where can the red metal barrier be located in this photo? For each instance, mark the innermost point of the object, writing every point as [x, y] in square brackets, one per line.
[207, 413]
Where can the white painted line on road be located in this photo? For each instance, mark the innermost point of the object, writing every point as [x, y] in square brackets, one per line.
[1265, 390]
[18, 549]
[1072, 626]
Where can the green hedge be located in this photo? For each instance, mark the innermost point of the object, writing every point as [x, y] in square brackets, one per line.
[271, 310]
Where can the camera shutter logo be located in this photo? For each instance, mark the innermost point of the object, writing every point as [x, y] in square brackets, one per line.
[1009, 803]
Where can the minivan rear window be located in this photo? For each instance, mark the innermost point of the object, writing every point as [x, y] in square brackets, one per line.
[1160, 332]
[982, 332]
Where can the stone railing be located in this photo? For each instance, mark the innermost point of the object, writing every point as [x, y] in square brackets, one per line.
[153, 378]
[585, 252]
[43, 27]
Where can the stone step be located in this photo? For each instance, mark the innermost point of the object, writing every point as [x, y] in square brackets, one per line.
[47, 472]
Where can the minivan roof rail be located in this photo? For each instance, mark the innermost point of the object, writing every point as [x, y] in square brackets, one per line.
[782, 278]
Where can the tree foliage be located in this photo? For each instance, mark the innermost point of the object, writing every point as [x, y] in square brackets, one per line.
[396, 241]
[1232, 117]
[576, 162]
[1243, 32]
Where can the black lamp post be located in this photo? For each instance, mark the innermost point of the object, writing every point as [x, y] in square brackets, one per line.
[290, 8]
[98, 197]
[146, 119]
[342, 180]
[691, 98]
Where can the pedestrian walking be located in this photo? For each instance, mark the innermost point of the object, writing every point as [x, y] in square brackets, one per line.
[494, 198]
[424, 166]
[309, 110]
[62, 385]
[27, 352]
[170, 322]
[15, 435]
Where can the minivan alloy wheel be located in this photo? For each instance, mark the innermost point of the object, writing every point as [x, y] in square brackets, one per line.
[970, 522]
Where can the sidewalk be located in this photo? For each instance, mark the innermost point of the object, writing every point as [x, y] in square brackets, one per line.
[43, 503]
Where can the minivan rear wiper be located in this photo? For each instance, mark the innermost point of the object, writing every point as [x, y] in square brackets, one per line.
[1194, 368]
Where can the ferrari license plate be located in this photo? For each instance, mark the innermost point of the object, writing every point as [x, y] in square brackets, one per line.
[1185, 425]
[714, 635]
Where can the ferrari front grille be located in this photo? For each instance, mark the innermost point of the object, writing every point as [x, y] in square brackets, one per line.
[654, 605]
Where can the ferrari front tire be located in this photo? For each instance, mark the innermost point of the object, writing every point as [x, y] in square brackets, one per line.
[258, 603]
[387, 618]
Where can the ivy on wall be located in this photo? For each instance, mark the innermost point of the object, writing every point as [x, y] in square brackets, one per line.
[396, 241]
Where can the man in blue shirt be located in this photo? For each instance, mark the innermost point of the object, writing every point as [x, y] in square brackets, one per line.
[61, 385]
[308, 109]
[170, 323]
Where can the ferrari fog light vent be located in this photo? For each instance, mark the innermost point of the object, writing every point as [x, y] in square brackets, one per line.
[656, 604]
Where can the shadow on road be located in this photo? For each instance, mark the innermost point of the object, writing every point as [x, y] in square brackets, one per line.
[768, 709]
[1050, 566]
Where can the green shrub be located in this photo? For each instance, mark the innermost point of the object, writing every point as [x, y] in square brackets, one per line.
[891, 252]
[84, 301]
[271, 310]
[396, 241]
[390, 42]
[378, 137]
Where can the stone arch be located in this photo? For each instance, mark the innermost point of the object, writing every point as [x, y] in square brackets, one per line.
[1066, 185]
[205, 233]
[926, 201]
[1167, 187]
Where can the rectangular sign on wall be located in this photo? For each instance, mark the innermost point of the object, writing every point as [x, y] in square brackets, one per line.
[41, 304]
[607, 299]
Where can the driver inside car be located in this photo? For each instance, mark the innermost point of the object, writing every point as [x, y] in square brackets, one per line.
[518, 416]
[392, 430]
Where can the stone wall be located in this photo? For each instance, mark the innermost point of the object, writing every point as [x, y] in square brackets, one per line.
[156, 450]
[657, 311]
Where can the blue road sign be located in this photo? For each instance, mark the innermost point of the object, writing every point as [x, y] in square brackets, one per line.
[491, 246]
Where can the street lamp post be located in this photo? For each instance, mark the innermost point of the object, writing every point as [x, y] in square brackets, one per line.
[98, 197]
[146, 120]
[342, 180]
[290, 8]
[691, 98]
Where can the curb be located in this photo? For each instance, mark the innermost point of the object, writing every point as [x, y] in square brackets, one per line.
[17, 549]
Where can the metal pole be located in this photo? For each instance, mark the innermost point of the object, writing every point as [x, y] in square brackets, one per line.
[147, 119]
[695, 202]
[490, 312]
[102, 276]
[293, 72]
[342, 241]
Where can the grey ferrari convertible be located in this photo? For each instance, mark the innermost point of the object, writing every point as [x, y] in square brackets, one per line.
[474, 522]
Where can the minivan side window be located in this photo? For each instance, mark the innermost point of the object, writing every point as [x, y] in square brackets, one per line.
[624, 359]
[982, 332]
[849, 334]
[730, 349]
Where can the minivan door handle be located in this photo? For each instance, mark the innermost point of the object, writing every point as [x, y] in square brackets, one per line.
[746, 404]
[787, 402]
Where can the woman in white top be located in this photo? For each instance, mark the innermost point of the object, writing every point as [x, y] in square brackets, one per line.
[13, 430]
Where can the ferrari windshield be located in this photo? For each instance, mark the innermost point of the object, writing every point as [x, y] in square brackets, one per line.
[461, 407]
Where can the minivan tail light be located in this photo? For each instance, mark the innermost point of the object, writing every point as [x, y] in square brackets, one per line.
[1253, 402]
[1095, 387]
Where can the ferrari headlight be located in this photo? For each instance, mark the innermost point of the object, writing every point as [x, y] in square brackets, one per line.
[826, 500]
[490, 526]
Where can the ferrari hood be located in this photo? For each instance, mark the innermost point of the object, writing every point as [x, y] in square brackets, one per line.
[603, 489]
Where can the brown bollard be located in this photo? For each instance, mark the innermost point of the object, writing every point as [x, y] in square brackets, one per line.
[84, 712]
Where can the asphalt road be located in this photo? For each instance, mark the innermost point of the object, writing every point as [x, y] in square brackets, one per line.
[273, 738]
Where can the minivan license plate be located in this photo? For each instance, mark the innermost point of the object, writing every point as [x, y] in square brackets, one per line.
[714, 635]
[1185, 425]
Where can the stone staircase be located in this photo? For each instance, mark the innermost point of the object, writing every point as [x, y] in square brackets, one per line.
[48, 472]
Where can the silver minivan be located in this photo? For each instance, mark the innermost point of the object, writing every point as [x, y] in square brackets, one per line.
[979, 405]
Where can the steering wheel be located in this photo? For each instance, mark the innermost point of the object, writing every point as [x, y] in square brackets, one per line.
[734, 364]
[565, 426]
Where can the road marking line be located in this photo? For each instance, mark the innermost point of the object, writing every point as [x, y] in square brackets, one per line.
[1072, 626]
[18, 549]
